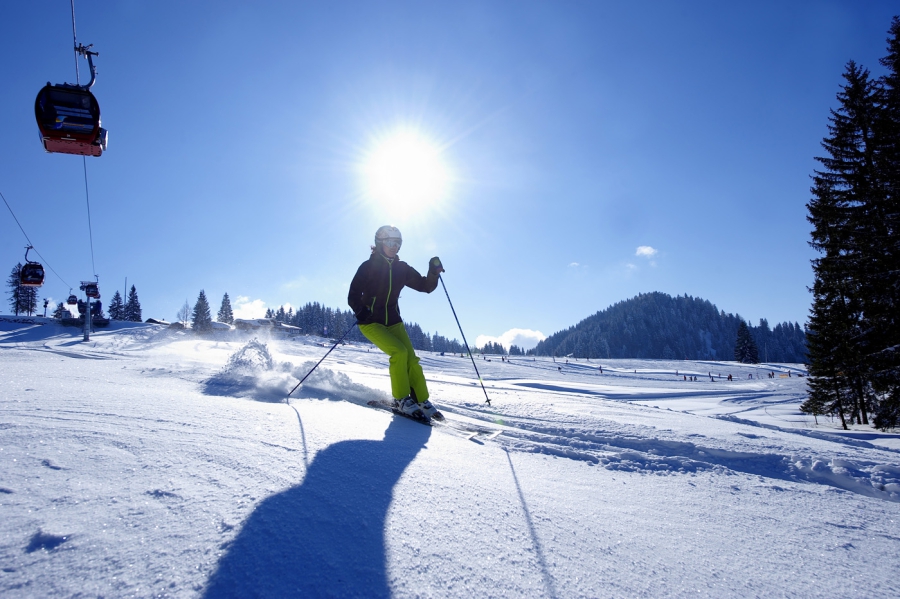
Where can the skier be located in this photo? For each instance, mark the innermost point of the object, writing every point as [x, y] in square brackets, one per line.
[373, 297]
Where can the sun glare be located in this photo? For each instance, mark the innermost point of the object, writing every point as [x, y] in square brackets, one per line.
[405, 173]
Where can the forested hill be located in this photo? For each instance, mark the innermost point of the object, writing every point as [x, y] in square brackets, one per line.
[657, 325]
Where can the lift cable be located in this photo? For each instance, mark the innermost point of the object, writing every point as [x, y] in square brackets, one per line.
[75, 44]
[87, 195]
[43, 260]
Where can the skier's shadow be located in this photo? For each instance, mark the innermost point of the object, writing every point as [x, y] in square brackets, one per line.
[324, 537]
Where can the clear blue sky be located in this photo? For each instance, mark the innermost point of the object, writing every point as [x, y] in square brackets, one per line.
[574, 133]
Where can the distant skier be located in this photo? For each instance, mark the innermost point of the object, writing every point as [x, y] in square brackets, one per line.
[373, 297]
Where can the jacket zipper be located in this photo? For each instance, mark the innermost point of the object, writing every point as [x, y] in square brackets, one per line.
[390, 287]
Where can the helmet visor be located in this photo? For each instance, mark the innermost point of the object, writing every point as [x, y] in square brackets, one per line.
[392, 243]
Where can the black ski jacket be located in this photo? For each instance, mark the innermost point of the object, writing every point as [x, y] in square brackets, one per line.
[377, 286]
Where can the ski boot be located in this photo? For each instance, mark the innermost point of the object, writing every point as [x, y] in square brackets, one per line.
[430, 411]
[410, 407]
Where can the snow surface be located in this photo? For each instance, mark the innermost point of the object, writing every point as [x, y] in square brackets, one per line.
[153, 463]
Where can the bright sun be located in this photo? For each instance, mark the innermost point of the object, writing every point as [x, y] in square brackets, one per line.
[404, 172]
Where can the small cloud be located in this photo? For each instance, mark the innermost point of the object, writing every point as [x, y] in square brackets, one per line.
[646, 251]
[574, 265]
[244, 307]
[631, 266]
[523, 338]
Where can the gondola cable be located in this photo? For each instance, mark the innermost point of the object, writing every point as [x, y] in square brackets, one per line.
[87, 195]
[75, 43]
[44, 261]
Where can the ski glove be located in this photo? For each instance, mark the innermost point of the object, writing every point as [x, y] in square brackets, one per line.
[363, 314]
[435, 266]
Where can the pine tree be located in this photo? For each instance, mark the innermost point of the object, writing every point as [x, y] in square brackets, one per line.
[816, 405]
[61, 311]
[829, 392]
[116, 307]
[882, 302]
[201, 321]
[13, 283]
[132, 312]
[225, 314]
[22, 299]
[843, 193]
[745, 350]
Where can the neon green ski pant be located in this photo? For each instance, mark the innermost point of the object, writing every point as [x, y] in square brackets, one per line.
[406, 374]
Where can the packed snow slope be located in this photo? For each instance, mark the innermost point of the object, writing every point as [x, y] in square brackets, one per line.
[153, 463]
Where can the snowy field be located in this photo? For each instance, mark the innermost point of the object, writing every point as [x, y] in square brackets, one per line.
[151, 463]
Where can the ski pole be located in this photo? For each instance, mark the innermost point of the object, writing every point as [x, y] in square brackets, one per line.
[468, 351]
[355, 322]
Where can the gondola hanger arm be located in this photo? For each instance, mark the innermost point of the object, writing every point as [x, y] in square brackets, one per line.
[89, 54]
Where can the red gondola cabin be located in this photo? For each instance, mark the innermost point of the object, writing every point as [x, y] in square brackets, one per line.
[31, 275]
[68, 117]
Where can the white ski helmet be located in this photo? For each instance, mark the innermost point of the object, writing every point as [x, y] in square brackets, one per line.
[390, 235]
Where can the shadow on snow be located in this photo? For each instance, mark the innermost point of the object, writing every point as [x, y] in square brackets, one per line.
[324, 537]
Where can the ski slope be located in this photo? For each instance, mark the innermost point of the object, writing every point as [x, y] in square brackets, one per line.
[152, 463]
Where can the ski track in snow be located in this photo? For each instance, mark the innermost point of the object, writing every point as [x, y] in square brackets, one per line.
[149, 462]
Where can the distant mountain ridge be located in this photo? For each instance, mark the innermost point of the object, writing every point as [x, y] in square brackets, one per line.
[657, 325]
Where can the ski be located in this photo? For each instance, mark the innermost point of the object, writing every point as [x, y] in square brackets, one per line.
[469, 435]
[381, 405]
[468, 432]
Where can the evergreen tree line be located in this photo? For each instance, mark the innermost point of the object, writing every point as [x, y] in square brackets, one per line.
[657, 325]
[24, 300]
[129, 310]
[492, 348]
[854, 332]
[316, 319]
